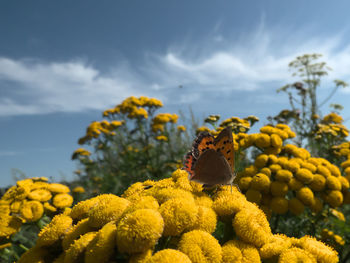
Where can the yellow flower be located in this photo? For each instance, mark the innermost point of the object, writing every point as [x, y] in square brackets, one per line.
[304, 175]
[296, 255]
[333, 183]
[81, 209]
[295, 206]
[266, 171]
[181, 128]
[275, 246]
[164, 194]
[179, 215]
[338, 214]
[317, 206]
[275, 167]
[102, 246]
[227, 204]
[206, 219]
[334, 198]
[200, 247]
[252, 226]
[78, 247]
[345, 164]
[78, 190]
[253, 196]
[58, 188]
[169, 256]
[261, 160]
[81, 228]
[279, 205]
[141, 257]
[276, 141]
[323, 170]
[260, 182]
[202, 199]
[49, 208]
[339, 240]
[32, 211]
[239, 251]
[162, 138]
[292, 166]
[139, 231]
[34, 254]
[318, 183]
[41, 195]
[263, 141]
[15, 206]
[279, 188]
[108, 208]
[244, 183]
[231, 253]
[306, 196]
[52, 232]
[62, 200]
[345, 185]
[284, 175]
[322, 252]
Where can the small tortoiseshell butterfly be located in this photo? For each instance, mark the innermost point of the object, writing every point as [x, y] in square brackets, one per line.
[211, 160]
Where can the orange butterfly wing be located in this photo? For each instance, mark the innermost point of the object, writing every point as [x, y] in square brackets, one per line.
[204, 141]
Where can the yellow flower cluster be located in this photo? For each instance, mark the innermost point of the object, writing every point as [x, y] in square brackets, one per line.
[95, 129]
[239, 126]
[177, 216]
[28, 200]
[161, 119]
[329, 237]
[286, 178]
[332, 125]
[134, 107]
[80, 152]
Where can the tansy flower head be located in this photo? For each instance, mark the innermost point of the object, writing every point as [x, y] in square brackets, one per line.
[169, 256]
[200, 247]
[295, 255]
[41, 195]
[32, 211]
[252, 226]
[108, 208]
[319, 250]
[78, 247]
[206, 219]
[179, 215]
[102, 246]
[139, 231]
[62, 200]
[248, 253]
[275, 246]
[81, 228]
[52, 232]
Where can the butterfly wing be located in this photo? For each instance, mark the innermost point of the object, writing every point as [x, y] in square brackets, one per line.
[212, 168]
[203, 142]
[223, 143]
[188, 163]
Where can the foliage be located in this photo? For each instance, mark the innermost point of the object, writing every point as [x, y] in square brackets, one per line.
[133, 144]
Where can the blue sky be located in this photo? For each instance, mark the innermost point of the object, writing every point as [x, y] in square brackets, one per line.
[63, 62]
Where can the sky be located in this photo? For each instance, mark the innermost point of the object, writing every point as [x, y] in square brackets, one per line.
[63, 62]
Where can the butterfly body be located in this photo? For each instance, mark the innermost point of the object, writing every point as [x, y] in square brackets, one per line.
[211, 160]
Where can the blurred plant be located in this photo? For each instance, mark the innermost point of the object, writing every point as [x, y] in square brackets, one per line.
[24, 209]
[170, 220]
[305, 109]
[133, 144]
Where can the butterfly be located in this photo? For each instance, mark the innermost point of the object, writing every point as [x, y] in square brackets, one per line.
[211, 160]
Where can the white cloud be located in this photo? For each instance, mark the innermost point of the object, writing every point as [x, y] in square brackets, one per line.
[252, 62]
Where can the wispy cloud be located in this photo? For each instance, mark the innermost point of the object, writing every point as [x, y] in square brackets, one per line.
[250, 63]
